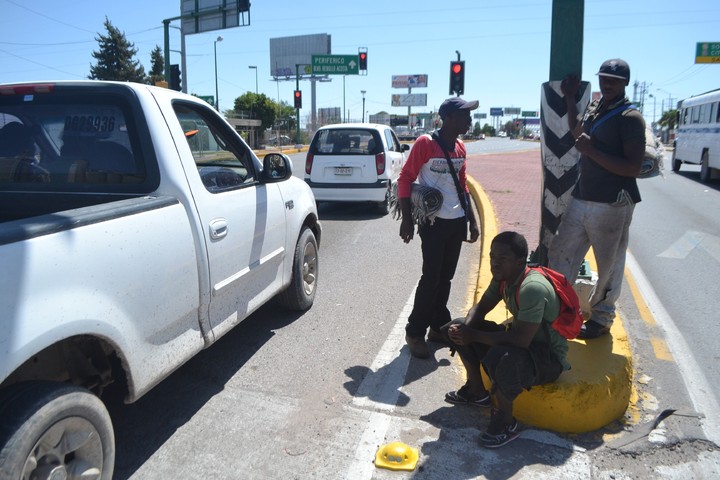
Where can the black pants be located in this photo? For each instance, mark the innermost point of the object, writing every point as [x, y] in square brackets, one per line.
[441, 243]
[511, 369]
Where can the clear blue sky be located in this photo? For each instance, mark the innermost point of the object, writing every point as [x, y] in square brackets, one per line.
[506, 46]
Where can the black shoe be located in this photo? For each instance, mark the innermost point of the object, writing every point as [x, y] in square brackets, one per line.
[435, 336]
[418, 347]
[499, 433]
[592, 329]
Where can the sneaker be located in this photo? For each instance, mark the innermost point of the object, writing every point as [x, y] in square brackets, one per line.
[462, 397]
[418, 347]
[435, 336]
[499, 433]
[592, 329]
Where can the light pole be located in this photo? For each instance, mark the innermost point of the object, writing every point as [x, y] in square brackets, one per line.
[363, 110]
[654, 103]
[217, 98]
[254, 67]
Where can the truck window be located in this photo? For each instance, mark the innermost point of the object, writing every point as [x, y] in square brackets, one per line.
[222, 162]
[69, 143]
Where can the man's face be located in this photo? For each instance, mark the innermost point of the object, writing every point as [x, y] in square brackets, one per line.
[459, 121]
[504, 264]
[611, 87]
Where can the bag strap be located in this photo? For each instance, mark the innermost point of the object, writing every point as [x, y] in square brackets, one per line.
[460, 192]
[610, 114]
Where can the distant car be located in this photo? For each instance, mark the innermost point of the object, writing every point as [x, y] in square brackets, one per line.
[481, 136]
[284, 140]
[502, 134]
[354, 162]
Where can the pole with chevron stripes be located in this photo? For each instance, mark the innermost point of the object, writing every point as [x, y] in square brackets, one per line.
[559, 158]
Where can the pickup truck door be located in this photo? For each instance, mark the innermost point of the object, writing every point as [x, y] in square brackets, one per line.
[243, 220]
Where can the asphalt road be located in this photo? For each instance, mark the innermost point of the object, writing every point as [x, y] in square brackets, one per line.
[287, 396]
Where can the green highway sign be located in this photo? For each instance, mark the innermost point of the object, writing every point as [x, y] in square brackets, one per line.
[335, 65]
[208, 98]
[530, 113]
[707, 52]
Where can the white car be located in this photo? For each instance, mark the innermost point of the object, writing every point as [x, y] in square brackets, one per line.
[354, 162]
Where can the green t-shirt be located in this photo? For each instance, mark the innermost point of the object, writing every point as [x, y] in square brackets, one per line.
[538, 303]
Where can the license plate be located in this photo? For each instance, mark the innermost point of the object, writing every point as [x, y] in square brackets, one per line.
[343, 170]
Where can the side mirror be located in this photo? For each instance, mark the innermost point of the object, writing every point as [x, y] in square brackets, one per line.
[276, 168]
[405, 147]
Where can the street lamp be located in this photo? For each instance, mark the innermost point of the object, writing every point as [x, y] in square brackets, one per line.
[363, 110]
[217, 97]
[254, 67]
[654, 102]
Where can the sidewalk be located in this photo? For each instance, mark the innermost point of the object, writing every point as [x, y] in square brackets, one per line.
[507, 189]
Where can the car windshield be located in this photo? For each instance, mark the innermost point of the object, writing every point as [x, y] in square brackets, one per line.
[346, 141]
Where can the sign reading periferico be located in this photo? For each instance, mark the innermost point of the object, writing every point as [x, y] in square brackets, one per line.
[707, 52]
[335, 65]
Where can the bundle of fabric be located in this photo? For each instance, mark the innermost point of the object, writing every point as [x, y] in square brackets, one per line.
[425, 203]
[652, 164]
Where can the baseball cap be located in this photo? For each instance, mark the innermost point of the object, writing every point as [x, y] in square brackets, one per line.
[454, 104]
[615, 68]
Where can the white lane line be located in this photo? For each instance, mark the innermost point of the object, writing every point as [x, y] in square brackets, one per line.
[379, 391]
[682, 247]
[700, 391]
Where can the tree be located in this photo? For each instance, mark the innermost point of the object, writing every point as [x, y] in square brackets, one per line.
[157, 70]
[115, 58]
[668, 119]
[265, 109]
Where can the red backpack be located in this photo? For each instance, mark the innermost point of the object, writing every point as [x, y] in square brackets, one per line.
[570, 319]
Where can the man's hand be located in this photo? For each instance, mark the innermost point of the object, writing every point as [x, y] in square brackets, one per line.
[407, 229]
[474, 232]
[460, 334]
[583, 144]
[570, 86]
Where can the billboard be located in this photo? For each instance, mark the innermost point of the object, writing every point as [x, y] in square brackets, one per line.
[512, 110]
[496, 112]
[287, 52]
[409, 81]
[206, 15]
[409, 100]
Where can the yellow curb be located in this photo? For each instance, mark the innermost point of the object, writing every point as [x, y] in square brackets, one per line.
[596, 391]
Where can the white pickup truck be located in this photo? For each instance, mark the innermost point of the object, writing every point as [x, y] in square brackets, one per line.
[136, 228]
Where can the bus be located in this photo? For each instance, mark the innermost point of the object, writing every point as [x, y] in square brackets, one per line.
[698, 134]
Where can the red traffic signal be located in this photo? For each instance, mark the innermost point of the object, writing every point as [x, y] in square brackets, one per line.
[362, 60]
[297, 95]
[457, 77]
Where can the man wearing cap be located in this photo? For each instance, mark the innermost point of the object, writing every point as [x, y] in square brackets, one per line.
[610, 137]
[441, 239]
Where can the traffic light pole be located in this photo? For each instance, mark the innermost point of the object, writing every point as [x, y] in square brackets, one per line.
[297, 110]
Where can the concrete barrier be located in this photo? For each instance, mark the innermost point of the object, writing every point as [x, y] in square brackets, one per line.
[596, 391]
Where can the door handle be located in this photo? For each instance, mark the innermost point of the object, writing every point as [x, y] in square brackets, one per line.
[218, 228]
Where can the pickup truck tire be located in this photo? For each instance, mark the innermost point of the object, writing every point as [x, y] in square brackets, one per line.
[53, 430]
[300, 294]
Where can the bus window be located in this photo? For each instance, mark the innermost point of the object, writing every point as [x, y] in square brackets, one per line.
[695, 114]
[715, 115]
[686, 116]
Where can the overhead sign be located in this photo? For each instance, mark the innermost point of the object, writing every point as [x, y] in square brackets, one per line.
[529, 113]
[335, 65]
[512, 111]
[496, 112]
[410, 100]
[207, 15]
[409, 81]
[286, 53]
[480, 116]
[208, 98]
[707, 52]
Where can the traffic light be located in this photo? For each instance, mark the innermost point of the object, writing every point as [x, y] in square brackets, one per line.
[297, 95]
[457, 77]
[175, 82]
[362, 60]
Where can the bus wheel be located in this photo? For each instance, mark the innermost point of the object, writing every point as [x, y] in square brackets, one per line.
[705, 167]
[676, 163]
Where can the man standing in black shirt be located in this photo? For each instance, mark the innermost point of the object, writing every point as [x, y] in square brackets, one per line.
[610, 137]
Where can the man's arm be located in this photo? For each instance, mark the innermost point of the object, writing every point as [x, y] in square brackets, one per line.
[628, 165]
[569, 87]
[520, 335]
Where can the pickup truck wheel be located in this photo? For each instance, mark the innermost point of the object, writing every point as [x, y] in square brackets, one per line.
[384, 206]
[52, 430]
[300, 294]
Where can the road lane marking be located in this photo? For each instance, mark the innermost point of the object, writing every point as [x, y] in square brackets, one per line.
[691, 240]
[379, 392]
[700, 391]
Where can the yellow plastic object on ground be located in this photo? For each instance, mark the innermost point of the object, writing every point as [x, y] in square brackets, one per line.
[396, 456]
